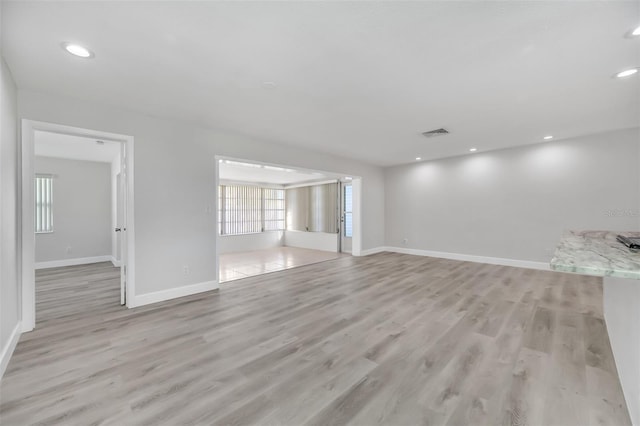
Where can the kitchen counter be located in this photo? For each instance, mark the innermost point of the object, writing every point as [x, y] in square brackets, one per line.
[596, 253]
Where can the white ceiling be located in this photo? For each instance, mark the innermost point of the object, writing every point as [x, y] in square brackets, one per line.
[57, 145]
[240, 171]
[357, 79]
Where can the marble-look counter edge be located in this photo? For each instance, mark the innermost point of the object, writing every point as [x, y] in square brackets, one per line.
[595, 271]
[596, 253]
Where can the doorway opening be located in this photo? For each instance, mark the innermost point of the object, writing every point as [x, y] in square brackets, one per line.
[275, 217]
[77, 221]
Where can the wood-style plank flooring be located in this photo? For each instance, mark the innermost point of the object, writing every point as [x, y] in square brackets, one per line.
[387, 339]
[235, 266]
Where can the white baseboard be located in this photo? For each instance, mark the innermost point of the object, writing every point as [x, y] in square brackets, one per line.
[8, 349]
[72, 262]
[371, 251]
[173, 293]
[468, 258]
[115, 262]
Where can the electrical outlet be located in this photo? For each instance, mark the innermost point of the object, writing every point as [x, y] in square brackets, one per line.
[405, 241]
[69, 250]
[186, 270]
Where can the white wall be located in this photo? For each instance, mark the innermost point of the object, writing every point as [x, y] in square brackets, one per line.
[621, 304]
[312, 240]
[250, 242]
[81, 210]
[9, 218]
[515, 203]
[175, 174]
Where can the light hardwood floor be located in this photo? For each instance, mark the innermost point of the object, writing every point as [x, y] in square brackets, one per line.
[386, 339]
[235, 266]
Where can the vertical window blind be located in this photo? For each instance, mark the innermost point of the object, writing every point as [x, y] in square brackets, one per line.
[273, 202]
[324, 203]
[44, 203]
[313, 208]
[249, 209]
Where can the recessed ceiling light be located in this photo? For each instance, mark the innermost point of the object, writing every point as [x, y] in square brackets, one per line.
[636, 32]
[269, 84]
[418, 158]
[77, 50]
[546, 138]
[473, 149]
[348, 178]
[627, 73]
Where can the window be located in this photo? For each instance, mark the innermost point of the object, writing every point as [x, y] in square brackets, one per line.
[348, 211]
[44, 204]
[249, 209]
[273, 209]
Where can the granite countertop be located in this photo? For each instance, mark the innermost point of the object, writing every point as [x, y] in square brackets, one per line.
[596, 253]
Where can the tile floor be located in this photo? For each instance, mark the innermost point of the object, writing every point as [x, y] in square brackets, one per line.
[235, 266]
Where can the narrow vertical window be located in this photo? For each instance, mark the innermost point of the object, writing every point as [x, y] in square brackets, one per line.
[44, 204]
[348, 211]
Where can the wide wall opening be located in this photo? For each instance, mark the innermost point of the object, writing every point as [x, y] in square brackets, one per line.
[277, 217]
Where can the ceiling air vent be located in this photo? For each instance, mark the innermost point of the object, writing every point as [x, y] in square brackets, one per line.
[434, 133]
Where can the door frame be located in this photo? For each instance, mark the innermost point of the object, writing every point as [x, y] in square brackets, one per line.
[27, 237]
[119, 224]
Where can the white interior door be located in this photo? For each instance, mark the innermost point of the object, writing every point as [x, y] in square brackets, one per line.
[347, 217]
[119, 215]
[121, 227]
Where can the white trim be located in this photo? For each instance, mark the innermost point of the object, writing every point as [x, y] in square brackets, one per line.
[216, 207]
[371, 251]
[115, 262]
[72, 262]
[356, 215]
[27, 236]
[311, 183]
[173, 293]
[8, 349]
[468, 258]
